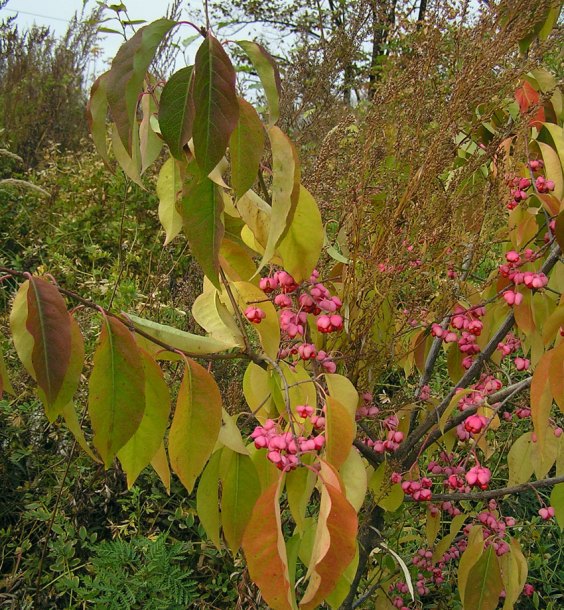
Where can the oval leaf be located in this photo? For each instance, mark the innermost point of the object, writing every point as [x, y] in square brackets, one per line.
[176, 111]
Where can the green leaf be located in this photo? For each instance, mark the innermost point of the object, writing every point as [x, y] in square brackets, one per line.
[557, 502]
[301, 246]
[269, 328]
[484, 583]
[97, 114]
[71, 420]
[216, 104]
[340, 432]
[300, 484]
[116, 389]
[178, 339]
[207, 499]
[265, 551]
[124, 82]
[140, 449]
[471, 555]
[355, 479]
[176, 111]
[201, 210]
[246, 147]
[386, 495]
[169, 189]
[196, 423]
[240, 491]
[257, 390]
[5, 385]
[285, 189]
[541, 399]
[268, 73]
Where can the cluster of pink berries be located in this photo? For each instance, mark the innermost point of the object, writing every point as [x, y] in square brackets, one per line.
[308, 351]
[519, 185]
[546, 512]
[394, 437]
[283, 448]
[530, 279]
[468, 322]
[367, 408]
[486, 385]
[420, 490]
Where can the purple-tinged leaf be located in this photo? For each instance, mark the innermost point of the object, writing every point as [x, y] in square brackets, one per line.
[246, 147]
[216, 104]
[124, 82]
[176, 111]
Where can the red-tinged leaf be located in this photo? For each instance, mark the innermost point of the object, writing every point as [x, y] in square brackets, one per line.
[71, 420]
[269, 76]
[97, 115]
[285, 189]
[124, 81]
[556, 375]
[335, 539]
[140, 449]
[300, 247]
[240, 491]
[160, 465]
[196, 423]
[527, 97]
[207, 499]
[340, 430]
[176, 111]
[246, 147]
[5, 385]
[49, 324]
[541, 398]
[201, 209]
[484, 583]
[265, 551]
[116, 389]
[216, 104]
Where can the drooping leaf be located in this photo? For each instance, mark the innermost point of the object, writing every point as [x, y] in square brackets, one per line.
[484, 583]
[541, 398]
[343, 586]
[207, 499]
[178, 339]
[301, 246]
[5, 385]
[520, 461]
[196, 423]
[265, 551]
[355, 479]
[256, 214]
[215, 101]
[150, 145]
[131, 165]
[116, 398]
[386, 495]
[71, 420]
[268, 73]
[240, 491]
[201, 210]
[335, 539]
[559, 228]
[176, 111]
[343, 390]
[124, 82]
[97, 114]
[340, 430]
[299, 487]
[556, 375]
[236, 261]
[160, 465]
[469, 558]
[285, 189]
[257, 390]
[141, 448]
[557, 501]
[246, 147]
[169, 189]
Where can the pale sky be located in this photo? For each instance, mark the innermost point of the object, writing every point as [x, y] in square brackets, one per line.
[56, 14]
